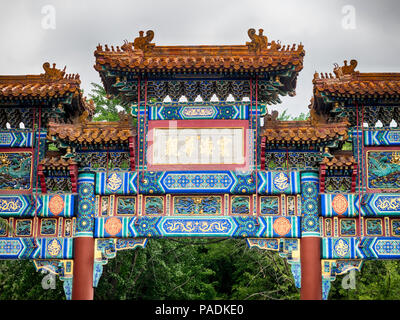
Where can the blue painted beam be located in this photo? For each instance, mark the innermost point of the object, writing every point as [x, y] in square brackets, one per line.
[47, 205]
[36, 248]
[198, 226]
[361, 248]
[372, 205]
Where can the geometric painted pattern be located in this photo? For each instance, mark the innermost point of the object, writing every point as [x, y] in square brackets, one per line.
[279, 182]
[372, 205]
[15, 139]
[366, 248]
[382, 137]
[339, 248]
[309, 204]
[193, 110]
[197, 182]
[86, 205]
[117, 182]
[198, 226]
[36, 248]
[162, 182]
[59, 205]
[340, 204]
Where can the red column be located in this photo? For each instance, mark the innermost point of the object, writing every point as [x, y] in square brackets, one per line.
[311, 278]
[82, 288]
[310, 243]
[82, 283]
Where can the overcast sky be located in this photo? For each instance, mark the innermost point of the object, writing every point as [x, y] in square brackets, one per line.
[331, 31]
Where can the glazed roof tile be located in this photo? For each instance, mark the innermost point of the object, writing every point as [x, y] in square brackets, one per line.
[53, 82]
[57, 163]
[305, 131]
[339, 161]
[142, 55]
[347, 81]
[86, 133]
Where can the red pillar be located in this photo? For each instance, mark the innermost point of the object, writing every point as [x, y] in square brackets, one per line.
[311, 277]
[310, 243]
[82, 288]
[82, 283]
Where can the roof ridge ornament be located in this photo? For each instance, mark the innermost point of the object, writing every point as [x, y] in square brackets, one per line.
[53, 73]
[345, 69]
[258, 41]
[143, 42]
[271, 119]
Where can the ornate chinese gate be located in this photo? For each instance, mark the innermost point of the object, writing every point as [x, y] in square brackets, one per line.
[75, 191]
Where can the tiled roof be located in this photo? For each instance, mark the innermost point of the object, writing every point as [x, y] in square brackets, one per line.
[339, 161]
[57, 163]
[347, 81]
[142, 55]
[53, 82]
[293, 132]
[86, 133]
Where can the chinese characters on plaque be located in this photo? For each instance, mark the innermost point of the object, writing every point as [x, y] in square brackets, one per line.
[198, 146]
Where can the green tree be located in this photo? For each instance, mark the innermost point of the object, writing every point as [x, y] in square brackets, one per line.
[378, 280]
[20, 281]
[188, 269]
[285, 116]
[107, 108]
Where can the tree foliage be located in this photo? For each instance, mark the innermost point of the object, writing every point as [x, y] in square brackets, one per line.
[377, 280]
[188, 269]
[107, 108]
[285, 116]
[197, 269]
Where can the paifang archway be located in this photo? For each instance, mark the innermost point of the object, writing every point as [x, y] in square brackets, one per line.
[200, 168]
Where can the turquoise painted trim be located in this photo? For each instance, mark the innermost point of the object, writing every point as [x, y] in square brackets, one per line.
[367, 248]
[198, 226]
[24, 205]
[279, 182]
[372, 205]
[198, 111]
[15, 138]
[117, 182]
[382, 137]
[36, 248]
[327, 210]
[67, 211]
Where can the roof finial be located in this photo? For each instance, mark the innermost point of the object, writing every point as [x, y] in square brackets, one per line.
[143, 42]
[345, 69]
[258, 42]
[52, 73]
